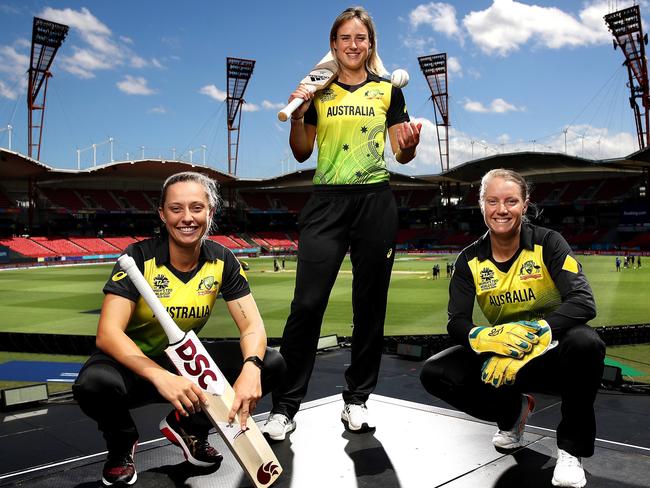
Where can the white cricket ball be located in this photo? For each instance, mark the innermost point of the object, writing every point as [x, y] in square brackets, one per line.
[399, 78]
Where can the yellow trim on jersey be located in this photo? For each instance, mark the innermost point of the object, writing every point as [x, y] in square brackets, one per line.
[525, 292]
[570, 264]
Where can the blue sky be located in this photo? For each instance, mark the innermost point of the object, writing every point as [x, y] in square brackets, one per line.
[152, 73]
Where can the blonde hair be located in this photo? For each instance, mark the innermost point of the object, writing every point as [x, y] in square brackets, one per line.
[373, 64]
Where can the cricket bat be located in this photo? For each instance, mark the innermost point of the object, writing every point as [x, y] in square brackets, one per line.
[193, 361]
[318, 78]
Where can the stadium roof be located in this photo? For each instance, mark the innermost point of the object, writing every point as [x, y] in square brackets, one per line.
[15, 166]
[303, 178]
[541, 164]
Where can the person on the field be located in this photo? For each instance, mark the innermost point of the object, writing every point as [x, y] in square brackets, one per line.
[352, 206]
[534, 294]
[186, 271]
[618, 263]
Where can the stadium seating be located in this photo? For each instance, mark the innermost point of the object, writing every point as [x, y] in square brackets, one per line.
[64, 198]
[27, 247]
[275, 240]
[226, 241]
[120, 242]
[101, 199]
[405, 236]
[94, 245]
[258, 201]
[135, 200]
[293, 202]
[60, 246]
[421, 198]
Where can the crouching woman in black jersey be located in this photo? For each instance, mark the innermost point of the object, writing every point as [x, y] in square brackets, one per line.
[532, 291]
[187, 272]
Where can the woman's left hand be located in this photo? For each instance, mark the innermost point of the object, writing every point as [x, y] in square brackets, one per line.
[248, 391]
[408, 135]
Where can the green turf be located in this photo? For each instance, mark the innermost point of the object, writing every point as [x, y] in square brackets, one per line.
[65, 299]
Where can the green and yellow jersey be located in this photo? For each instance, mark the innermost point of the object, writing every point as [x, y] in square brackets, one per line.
[188, 296]
[543, 280]
[351, 123]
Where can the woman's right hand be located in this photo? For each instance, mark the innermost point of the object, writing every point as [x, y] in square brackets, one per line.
[306, 95]
[185, 396]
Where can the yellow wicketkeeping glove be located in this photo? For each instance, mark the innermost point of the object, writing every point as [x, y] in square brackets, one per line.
[500, 370]
[513, 339]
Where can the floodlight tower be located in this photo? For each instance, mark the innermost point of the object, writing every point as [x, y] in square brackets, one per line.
[434, 68]
[238, 72]
[47, 38]
[625, 25]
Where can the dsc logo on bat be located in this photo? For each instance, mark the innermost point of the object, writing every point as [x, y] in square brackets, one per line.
[195, 364]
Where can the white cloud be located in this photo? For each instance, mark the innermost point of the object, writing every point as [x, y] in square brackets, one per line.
[13, 66]
[441, 17]
[497, 106]
[271, 105]
[135, 85]
[160, 110]
[249, 107]
[419, 45]
[454, 67]
[98, 50]
[213, 92]
[507, 24]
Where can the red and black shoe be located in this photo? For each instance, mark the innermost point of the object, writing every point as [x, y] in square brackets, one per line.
[196, 448]
[119, 468]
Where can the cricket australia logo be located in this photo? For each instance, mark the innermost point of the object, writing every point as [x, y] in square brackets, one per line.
[266, 472]
[207, 286]
[488, 281]
[530, 270]
[373, 94]
[161, 286]
[327, 95]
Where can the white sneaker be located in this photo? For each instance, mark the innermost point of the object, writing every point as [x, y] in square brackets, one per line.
[511, 439]
[277, 426]
[356, 418]
[568, 471]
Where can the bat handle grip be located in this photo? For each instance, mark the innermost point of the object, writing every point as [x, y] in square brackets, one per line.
[285, 113]
[127, 263]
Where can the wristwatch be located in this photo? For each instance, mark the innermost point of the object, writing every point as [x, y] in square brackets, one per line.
[256, 361]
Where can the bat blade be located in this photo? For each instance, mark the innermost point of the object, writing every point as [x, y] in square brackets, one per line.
[318, 78]
[193, 361]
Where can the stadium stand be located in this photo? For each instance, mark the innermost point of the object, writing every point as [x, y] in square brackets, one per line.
[60, 246]
[421, 198]
[94, 245]
[293, 202]
[277, 240]
[120, 242]
[27, 247]
[257, 201]
[63, 198]
[100, 199]
[138, 200]
[227, 242]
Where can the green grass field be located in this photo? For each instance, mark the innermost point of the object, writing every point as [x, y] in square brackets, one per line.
[66, 300]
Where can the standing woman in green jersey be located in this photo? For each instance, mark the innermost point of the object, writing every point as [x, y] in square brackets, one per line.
[351, 207]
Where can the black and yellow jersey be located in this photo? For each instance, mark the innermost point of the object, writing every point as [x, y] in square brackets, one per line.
[351, 123]
[543, 280]
[188, 296]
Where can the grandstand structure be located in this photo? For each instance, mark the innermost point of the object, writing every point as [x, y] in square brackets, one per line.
[48, 214]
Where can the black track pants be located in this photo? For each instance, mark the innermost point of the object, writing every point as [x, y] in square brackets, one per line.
[106, 390]
[574, 369]
[333, 220]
